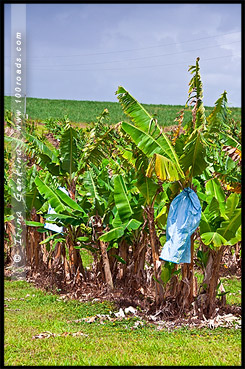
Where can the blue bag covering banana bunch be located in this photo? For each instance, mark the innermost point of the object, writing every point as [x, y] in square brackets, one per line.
[183, 219]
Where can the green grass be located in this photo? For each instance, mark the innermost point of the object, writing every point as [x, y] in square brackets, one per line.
[87, 111]
[231, 285]
[87, 258]
[110, 344]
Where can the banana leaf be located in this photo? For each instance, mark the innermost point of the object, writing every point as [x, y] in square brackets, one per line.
[68, 201]
[218, 117]
[229, 140]
[231, 204]
[161, 218]
[193, 157]
[97, 148]
[113, 234]
[84, 239]
[213, 189]
[8, 218]
[165, 169]
[51, 196]
[228, 228]
[133, 224]
[119, 258]
[44, 208]
[210, 217]
[33, 199]
[150, 144]
[68, 150]
[34, 224]
[49, 158]
[205, 226]
[237, 238]
[122, 199]
[118, 232]
[52, 237]
[134, 109]
[147, 187]
[13, 140]
[43, 149]
[63, 219]
[213, 238]
[116, 222]
[90, 186]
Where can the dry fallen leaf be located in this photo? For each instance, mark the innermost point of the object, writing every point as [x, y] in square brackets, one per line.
[64, 334]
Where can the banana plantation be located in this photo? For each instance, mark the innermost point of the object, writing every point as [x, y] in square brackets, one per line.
[110, 187]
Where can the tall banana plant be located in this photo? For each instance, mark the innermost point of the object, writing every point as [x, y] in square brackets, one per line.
[68, 213]
[145, 132]
[224, 146]
[66, 164]
[220, 226]
[221, 219]
[178, 161]
[122, 224]
[191, 145]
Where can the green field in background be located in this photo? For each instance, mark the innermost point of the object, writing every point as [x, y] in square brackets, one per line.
[87, 111]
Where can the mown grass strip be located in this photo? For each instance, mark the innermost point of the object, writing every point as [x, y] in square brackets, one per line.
[111, 343]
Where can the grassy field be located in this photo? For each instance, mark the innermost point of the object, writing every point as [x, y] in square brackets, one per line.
[29, 312]
[87, 111]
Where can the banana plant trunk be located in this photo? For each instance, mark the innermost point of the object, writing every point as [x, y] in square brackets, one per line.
[59, 256]
[106, 265]
[139, 257]
[211, 279]
[35, 239]
[76, 264]
[10, 231]
[159, 293]
[123, 253]
[97, 223]
[187, 287]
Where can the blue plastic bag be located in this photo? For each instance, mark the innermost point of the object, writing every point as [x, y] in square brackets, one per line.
[51, 226]
[183, 219]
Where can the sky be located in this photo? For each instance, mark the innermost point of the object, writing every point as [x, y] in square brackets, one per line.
[85, 51]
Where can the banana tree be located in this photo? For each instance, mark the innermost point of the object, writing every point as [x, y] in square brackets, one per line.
[110, 215]
[145, 132]
[220, 227]
[69, 161]
[54, 162]
[69, 214]
[122, 223]
[32, 201]
[95, 184]
[179, 161]
[223, 137]
[215, 135]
